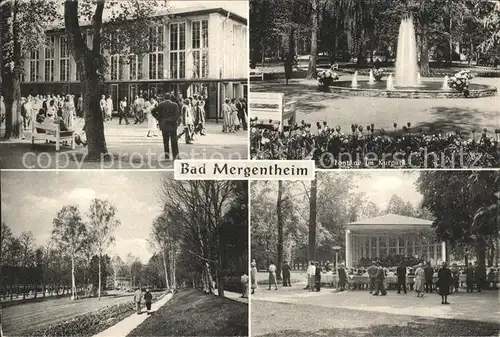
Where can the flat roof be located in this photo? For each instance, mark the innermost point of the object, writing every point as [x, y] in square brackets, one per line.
[179, 12]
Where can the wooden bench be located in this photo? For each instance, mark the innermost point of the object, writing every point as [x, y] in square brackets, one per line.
[256, 77]
[271, 106]
[52, 133]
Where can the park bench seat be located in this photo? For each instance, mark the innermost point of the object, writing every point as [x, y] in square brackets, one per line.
[51, 132]
[271, 106]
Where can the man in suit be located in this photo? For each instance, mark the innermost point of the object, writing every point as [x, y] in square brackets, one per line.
[380, 281]
[318, 277]
[372, 274]
[286, 275]
[429, 276]
[401, 272]
[167, 113]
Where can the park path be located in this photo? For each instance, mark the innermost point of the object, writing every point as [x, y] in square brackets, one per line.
[235, 296]
[124, 327]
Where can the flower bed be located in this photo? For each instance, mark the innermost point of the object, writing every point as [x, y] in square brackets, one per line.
[435, 72]
[331, 148]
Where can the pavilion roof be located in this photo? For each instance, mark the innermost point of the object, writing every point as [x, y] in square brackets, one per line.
[391, 220]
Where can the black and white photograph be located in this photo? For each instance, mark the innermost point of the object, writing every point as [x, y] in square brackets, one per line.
[122, 84]
[376, 84]
[155, 257]
[376, 253]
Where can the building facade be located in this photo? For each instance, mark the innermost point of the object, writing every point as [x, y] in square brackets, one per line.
[392, 235]
[205, 51]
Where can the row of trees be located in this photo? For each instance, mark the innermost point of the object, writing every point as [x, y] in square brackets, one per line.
[23, 26]
[201, 238]
[300, 222]
[77, 244]
[345, 29]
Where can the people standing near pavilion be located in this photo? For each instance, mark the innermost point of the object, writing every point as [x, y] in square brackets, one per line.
[253, 276]
[102, 106]
[122, 111]
[420, 280]
[469, 277]
[272, 276]
[379, 281]
[187, 121]
[456, 277]
[286, 274]
[311, 274]
[342, 277]
[429, 278]
[401, 273]
[317, 278]
[168, 113]
[227, 125]
[445, 281]
[68, 113]
[372, 275]
[199, 116]
[234, 115]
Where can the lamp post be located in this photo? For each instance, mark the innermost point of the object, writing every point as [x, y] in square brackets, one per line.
[336, 249]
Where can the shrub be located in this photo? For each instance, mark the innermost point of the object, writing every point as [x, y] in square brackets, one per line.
[364, 148]
[233, 284]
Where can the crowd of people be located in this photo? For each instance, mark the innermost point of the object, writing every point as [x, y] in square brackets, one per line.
[422, 278]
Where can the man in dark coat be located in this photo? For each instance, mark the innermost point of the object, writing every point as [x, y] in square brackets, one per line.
[469, 278]
[445, 280]
[480, 273]
[429, 275]
[286, 274]
[149, 299]
[168, 115]
[401, 273]
[318, 277]
[342, 277]
[372, 274]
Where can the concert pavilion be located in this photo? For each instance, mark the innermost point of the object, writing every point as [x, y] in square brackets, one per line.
[204, 51]
[390, 235]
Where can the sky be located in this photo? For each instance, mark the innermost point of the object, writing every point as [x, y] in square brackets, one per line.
[31, 200]
[379, 186]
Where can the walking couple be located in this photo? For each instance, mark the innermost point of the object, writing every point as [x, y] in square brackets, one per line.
[138, 297]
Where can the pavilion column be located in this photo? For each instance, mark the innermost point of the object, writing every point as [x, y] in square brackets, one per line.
[348, 248]
[387, 245]
[443, 251]
[378, 247]
[370, 247]
[435, 251]
[363, 246]
[413, 244]
[397, 245]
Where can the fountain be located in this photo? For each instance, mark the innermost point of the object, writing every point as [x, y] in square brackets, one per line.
[372, 78]
[390, 82]
[445, 85]
[354, 83]
[406, 81]
[406, 57]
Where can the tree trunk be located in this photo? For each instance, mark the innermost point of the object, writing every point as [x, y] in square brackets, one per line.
[451, 42]
[99, 289]
[73, 283]
[165, 267]
[311, 69]
[312, 222]
[424, 48]
[279, 215]
[11, 68]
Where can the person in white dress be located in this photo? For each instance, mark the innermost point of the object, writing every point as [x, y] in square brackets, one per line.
[152, 122]
[109, 108]
[272, 276]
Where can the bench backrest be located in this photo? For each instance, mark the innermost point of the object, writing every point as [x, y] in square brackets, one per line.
[271, 106]
[46, 126]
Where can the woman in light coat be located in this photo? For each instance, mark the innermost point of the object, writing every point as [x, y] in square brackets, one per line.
[253, 276]
[420, 280]
[226, 115]
[152, 122]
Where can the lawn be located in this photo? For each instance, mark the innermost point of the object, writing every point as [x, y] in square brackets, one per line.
[272, 319]
[191, 313]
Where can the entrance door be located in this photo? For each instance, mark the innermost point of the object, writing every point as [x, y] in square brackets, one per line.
[114, 96]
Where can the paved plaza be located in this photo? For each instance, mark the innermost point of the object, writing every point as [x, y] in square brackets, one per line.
[430, 115]
[130, 147]
[358, 311]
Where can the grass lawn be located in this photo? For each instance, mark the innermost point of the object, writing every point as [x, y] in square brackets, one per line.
[191, 313]
[272, 319]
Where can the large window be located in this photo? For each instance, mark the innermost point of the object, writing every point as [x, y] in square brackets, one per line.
[34, 66]
[116, 68]
[135, 68]
[178, 50]
[200, 48]
[156, 53]
[49, 59]
[64, 61]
